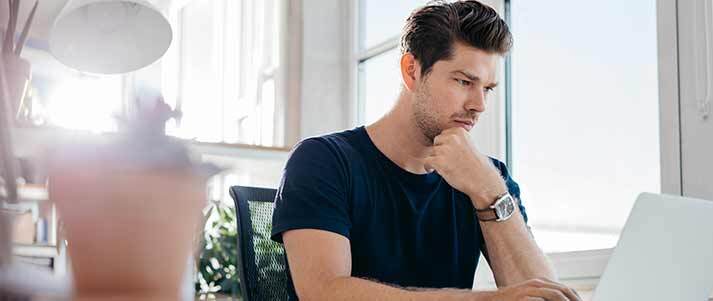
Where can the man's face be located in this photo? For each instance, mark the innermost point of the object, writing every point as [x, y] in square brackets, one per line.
[454, 93]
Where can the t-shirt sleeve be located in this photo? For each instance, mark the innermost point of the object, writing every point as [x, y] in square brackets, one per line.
[313, 191]
[514, 190]
[513, 187]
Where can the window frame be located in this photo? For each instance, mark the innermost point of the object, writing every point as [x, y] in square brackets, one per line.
[283, 116]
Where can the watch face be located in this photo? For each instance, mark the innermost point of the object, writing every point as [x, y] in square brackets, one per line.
[505, 207]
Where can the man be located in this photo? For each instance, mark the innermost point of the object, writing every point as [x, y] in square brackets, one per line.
[388, 212]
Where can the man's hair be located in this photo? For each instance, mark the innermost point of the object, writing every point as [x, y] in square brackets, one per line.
[431, 31]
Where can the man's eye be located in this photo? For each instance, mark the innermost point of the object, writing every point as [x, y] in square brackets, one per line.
[464, 83]
[489, 89]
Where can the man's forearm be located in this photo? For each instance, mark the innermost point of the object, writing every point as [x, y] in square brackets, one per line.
[352, 288]
[513, 254]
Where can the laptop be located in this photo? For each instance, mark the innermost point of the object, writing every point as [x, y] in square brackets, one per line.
[665, 252]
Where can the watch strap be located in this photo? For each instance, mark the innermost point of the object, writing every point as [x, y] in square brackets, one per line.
[486, 215]
[490, 214]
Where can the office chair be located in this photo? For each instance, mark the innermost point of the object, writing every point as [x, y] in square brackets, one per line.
[262, 269]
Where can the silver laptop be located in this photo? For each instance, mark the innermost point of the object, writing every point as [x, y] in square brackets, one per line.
[664, 253]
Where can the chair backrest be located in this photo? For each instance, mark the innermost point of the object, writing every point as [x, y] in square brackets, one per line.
[262, 269]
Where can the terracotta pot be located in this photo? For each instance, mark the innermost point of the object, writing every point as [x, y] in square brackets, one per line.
[18, 80]
[129, 228]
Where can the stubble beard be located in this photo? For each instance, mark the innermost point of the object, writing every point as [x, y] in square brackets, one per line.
[425, 120]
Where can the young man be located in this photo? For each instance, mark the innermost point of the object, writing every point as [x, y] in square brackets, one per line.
[401, 209]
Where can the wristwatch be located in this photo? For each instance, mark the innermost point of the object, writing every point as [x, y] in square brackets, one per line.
[500, 211]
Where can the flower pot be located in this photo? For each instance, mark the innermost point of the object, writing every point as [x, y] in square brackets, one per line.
[18, 77]
[129, 227]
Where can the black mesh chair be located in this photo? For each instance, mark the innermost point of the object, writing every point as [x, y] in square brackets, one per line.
[261, 262]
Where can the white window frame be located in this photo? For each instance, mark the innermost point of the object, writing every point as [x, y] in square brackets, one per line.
[578, 269]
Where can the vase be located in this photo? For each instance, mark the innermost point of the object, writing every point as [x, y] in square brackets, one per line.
[129, 227]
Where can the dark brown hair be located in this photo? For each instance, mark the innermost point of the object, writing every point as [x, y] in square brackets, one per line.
[431, 31]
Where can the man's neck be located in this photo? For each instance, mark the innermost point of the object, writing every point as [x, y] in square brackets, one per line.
[398, 137]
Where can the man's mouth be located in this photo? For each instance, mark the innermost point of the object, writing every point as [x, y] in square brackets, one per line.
[465, 124]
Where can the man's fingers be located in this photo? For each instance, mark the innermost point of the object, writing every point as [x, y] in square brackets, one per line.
[547, 294]
[570, 293]
[428, 164]
[435, 162]
[454, 130]
[545, 283]
[437, 150]
[439, 140]
[447, 135]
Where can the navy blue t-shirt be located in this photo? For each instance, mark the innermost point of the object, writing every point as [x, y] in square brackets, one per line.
[405, 229]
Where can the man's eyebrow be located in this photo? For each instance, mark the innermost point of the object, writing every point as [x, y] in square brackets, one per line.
[468, 75]
[473, 77]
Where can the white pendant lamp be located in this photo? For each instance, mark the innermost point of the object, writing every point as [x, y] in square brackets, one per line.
[109, 37]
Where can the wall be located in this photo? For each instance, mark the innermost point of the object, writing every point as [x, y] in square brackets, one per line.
[325, 74]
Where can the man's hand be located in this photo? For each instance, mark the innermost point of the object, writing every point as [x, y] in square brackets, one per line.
[455, 158]
[536, 290]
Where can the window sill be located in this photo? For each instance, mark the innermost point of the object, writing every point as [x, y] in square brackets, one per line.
[580, 270]
[31, 140]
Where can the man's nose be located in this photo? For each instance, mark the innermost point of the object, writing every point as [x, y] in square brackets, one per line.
[476, 102]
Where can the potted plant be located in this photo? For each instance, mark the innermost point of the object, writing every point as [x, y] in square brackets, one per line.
[217, 262]
[17, 70]
[14, 79]
[131, 204]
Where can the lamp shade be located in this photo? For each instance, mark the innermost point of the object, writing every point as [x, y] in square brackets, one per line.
[109, 37]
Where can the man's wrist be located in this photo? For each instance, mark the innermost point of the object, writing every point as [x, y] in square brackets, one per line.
[483, 199]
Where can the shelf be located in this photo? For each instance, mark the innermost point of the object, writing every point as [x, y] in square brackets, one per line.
[36, 251]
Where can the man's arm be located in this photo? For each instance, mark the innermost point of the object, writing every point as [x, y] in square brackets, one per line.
[320, 265]
[513, 254]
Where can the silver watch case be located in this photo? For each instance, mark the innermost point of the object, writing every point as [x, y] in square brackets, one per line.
[504, 207]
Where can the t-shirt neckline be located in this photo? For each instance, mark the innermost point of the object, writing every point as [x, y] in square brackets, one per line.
[428, 178]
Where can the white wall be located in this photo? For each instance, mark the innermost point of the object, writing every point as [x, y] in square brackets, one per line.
[325, 100]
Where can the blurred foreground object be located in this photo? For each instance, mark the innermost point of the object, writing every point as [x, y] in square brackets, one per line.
[131, 205]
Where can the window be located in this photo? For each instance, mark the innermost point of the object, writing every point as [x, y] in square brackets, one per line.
[224, 71]
[61, 97]
[380, 24]
[84, 102]
[381, 84]
[585, 129]
[383, 20]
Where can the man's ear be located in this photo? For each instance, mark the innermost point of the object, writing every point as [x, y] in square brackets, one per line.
[409, 70]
